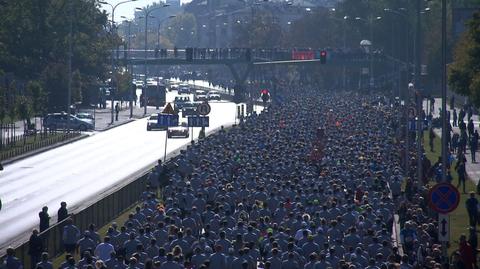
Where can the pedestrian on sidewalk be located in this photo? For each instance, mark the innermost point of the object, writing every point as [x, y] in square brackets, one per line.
[455, 140]
[462, 145]
[455, 118]
[473, 147]
[461, 115]
[431, 135]
[117, 110]
[472, 209]
[462, 173]
[470, 128]
[466, 252]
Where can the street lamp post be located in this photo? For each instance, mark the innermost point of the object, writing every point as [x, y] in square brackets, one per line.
[407, 42]
[113, 53]
[130, 69]
[159, 26]
[344, 30]
[147, 14]
[370, 21]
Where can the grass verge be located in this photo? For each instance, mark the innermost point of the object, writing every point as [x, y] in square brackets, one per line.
[459, 222]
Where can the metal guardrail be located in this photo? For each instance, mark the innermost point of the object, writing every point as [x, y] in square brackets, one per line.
[99, 212]
[9, 151]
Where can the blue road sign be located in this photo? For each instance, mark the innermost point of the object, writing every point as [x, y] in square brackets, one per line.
[198, 121]
[443, 198]
[167, 120]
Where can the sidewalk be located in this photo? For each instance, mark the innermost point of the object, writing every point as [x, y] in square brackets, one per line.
[103, 119]
[473, 169]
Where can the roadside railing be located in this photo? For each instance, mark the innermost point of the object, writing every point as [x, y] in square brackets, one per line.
[100, 212]
[20, 144]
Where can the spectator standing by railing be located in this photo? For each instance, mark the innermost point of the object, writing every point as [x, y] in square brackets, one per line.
[35, 248]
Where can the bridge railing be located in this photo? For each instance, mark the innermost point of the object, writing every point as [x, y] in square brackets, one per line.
[249, 55]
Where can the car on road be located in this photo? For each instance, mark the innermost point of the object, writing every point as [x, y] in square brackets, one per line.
[181, 101]
[214, 95]
[184, 89]
[152, 123]
[178, 131]
[56, 121]
[173, 87]
[200, 95]
[189, 110]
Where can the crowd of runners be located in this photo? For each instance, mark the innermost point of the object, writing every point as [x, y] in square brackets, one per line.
[312, 183]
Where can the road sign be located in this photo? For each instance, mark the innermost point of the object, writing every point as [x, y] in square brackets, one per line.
[198, 121]
[443, 228]
[443, 198]
[168, 109]
[204, 109]
[167, 120]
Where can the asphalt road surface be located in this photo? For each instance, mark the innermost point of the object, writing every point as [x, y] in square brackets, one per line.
[77, 172]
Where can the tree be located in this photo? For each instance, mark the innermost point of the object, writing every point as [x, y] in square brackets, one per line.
[77, 87]
[124, 83]
[181, 30]
[34, 39]
[24, 108]
[38, 97]
[464, 72]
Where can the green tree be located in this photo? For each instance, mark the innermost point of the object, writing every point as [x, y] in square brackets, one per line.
[25, 109]
[181, 30]
[77, 87]
[38, 97]
[464, 72]
[34, 40]
[124, 83]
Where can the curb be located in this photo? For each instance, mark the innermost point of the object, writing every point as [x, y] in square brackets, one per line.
[38, 151]
[115, 125]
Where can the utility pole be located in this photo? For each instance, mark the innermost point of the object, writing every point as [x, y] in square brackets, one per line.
[419, 95]
[70, 49]
[444, 104]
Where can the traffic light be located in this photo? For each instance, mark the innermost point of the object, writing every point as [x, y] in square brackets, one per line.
[189, 54]
[323, 57]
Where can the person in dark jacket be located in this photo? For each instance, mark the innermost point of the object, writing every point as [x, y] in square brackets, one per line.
[62, 212]
[44, 219]
[462, 173]
[471, 204]
[35, 248]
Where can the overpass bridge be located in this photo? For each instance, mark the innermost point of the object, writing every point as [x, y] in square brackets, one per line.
[241, 61]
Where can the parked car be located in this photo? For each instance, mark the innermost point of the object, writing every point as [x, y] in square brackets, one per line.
[214, 95]
[55, 121]
[178, 131]
[152, 123]
[84, 115]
